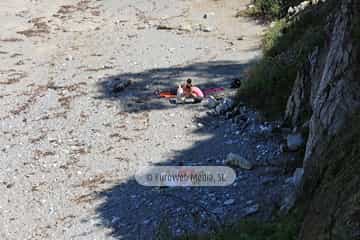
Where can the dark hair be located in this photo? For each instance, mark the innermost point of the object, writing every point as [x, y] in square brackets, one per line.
[188, 81]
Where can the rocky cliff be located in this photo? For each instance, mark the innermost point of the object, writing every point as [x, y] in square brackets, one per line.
[326, 100]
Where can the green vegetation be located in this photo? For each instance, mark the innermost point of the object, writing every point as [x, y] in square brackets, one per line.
[270, 9]
[286, 47]
[284, 228]
[268, 85]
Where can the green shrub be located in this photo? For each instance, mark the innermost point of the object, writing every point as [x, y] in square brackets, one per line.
[298, 34]
[268, 84]
[273, 36]
[286, 47]
[271, 9]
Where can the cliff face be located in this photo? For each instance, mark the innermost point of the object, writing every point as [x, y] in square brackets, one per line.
[326, 95]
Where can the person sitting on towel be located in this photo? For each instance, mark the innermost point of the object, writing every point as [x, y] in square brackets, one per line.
[193, 92]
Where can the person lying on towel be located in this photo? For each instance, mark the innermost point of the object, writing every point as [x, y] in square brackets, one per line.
[187, 90]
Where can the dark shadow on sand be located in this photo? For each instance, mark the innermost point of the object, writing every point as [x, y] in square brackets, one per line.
[132, 211]
[140, 95]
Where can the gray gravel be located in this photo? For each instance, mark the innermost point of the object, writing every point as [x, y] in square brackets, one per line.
[69, 146]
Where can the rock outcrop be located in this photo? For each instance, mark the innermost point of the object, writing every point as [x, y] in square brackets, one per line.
[327, 94]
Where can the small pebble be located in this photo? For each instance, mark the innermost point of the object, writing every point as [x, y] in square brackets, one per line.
[229, 202]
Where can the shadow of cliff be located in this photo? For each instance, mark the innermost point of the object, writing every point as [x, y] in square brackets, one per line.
[132, 211]
[140, 94]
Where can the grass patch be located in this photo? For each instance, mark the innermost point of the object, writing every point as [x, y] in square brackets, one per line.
[283, 228]
[268, 85]
[286, 47]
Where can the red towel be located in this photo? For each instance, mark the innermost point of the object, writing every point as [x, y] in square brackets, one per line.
[172, 94]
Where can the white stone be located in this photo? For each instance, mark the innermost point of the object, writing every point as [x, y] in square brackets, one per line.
[294, 141]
